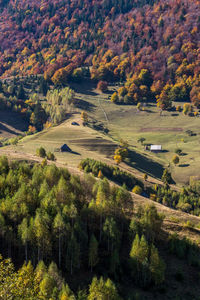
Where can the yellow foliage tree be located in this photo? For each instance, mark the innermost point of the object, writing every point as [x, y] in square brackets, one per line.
[118, 159]
[84, 116]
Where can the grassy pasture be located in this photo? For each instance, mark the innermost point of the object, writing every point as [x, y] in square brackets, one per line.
[122, 121]
[83, 141]
[168, 129]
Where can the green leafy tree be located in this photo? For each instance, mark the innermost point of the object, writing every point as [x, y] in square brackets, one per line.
[166, 177]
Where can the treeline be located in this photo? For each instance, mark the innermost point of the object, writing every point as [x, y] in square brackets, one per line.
[100, 169]
[47, 283]
[187, 200]
[39, 106]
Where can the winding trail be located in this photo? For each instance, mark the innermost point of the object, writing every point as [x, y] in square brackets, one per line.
[104, 112]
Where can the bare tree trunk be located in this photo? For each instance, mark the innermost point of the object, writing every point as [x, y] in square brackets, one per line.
[26, 252]
[59, 247]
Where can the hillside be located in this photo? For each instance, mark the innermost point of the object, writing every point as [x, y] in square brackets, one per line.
[115, 39]
[87, 210]
[57, 217]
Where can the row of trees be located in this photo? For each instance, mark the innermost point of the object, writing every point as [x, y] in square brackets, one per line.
[115, 174]
[187, 200]
[47, 283]
[37, 111]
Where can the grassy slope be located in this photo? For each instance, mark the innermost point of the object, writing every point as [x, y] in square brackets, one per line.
[169, 130]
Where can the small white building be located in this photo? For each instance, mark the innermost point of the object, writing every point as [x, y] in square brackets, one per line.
[155, 148]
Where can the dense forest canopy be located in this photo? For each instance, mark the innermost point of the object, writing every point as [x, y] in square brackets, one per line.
[65, 228]
[116, 39]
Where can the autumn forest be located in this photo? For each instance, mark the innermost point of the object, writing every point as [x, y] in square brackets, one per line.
[108, 219]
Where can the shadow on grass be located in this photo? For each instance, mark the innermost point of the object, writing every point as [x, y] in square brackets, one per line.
[82, 104]
[6, 129]
[184, 165]
[74, 152]
[14, 120]
[145, 164]
[85, 87]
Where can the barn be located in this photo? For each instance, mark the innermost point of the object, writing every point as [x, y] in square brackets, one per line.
[65, 148]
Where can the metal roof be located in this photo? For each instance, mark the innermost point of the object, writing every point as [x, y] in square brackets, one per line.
[156, 147]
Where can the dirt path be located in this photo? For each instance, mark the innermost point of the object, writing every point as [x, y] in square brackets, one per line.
[104, 112]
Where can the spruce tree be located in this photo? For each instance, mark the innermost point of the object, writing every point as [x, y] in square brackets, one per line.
[93, 252]
[157, 266]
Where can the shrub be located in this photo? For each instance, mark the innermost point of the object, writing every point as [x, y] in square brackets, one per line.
[114, 98]
[41, 152]
[51, 156]
[178, 151]
[175, 159]
[102, 86]
[137, 190]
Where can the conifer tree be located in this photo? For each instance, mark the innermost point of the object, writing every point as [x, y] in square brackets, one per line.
[59, 227]
[157, 266]
[24, 233]
[73, 254]
[93, 252]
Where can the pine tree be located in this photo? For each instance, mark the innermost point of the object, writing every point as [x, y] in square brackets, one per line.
[43, 88]
[93, 252]
[157, 266]
[66, 293]
[24, 233]
[21, 92]
[62, 191]
[59, 227]
[73, 254]
[46, 287]
[101, 289]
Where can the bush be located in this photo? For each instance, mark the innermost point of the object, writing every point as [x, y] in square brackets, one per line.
[41, 152]
[102, 86]
[51, 156]
[178, 151]
[175, 159]
[137, 190]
